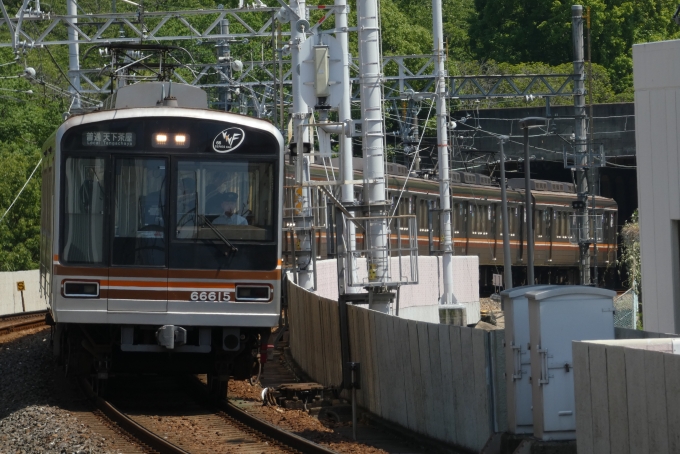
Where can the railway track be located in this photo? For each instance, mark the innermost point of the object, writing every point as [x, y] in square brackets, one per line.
[18, 322]
[174, 415]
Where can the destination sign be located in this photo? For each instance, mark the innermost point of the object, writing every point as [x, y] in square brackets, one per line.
[109, 139]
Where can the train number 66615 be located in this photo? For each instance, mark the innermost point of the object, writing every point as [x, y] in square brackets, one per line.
[210, 296]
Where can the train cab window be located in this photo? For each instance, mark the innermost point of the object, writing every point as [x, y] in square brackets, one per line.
[84, 210]
[234, 200]
[139, 233]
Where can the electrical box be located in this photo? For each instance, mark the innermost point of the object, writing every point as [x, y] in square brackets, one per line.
[321, 67]
[517, 359]
[558, 315]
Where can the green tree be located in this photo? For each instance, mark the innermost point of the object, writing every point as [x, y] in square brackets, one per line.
[516, 31]
[20, 229]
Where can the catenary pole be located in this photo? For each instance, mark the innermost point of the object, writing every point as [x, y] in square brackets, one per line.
[580, 137]
[507, 259]
[443, 155]
[373, 134]
[302, 218]
[346, 164]
[73, 54]
[528, 211]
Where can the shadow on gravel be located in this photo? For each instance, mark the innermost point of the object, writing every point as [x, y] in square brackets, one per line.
[30, 375]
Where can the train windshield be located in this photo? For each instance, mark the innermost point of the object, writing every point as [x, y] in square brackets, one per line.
[233, 199]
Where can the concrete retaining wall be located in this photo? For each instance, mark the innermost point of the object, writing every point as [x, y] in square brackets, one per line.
[10, 297]
[627, 396]
[423, 295]
[443, 381]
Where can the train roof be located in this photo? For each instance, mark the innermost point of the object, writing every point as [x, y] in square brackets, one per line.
[544, 192]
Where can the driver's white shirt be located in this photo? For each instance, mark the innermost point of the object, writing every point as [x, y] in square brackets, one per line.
[234, 219]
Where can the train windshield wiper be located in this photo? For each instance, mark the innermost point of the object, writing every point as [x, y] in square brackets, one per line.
[219, 235]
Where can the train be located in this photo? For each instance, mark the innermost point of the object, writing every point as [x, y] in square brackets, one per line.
[477, 221]
[160, 244]
[165, 232]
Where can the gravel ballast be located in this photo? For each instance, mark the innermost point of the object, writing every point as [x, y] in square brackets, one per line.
[37, 402]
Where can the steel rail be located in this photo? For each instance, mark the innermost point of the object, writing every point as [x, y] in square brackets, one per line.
[279, 435]
[142, 435]
[10, 323]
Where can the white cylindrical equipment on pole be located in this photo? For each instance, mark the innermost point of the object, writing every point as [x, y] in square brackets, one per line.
[302, 217]
[73, 54]
[370, 66]
[443, 155]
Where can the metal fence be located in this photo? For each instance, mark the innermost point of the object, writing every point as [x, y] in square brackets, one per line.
[625, 307]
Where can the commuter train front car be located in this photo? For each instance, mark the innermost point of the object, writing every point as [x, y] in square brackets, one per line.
[161, 249]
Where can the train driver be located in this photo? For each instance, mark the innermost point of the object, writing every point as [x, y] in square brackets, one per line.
[229, 214]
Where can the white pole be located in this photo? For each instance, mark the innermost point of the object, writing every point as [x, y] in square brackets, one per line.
[346, 165]
[73, 54]
[302, 218]
[370, 68]
[443, 154]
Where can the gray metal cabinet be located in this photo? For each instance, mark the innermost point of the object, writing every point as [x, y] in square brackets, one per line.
[559, 315]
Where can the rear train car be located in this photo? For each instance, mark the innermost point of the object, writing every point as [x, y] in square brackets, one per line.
[160, 240]
[477, 222]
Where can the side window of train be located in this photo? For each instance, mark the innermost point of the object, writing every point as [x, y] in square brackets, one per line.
[459, 217]
[422, 214]
[539, 223]
[84, 210]
[491, 216]
[473, 219]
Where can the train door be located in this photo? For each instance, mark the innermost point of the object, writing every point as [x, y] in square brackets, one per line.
[138, 276]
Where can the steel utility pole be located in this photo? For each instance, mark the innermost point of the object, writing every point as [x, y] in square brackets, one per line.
[528, 212]
[373, 135]
[507, 259]
[443, 155]
[580, 142]
[346, 164]
[302, 217]
[73, 54]
[225, 58]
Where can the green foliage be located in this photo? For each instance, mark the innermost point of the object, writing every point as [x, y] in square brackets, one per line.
[629, 261]
[540, 31]
[20, 230]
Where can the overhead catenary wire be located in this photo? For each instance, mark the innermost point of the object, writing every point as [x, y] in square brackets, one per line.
[408, 174]
[21, 190]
